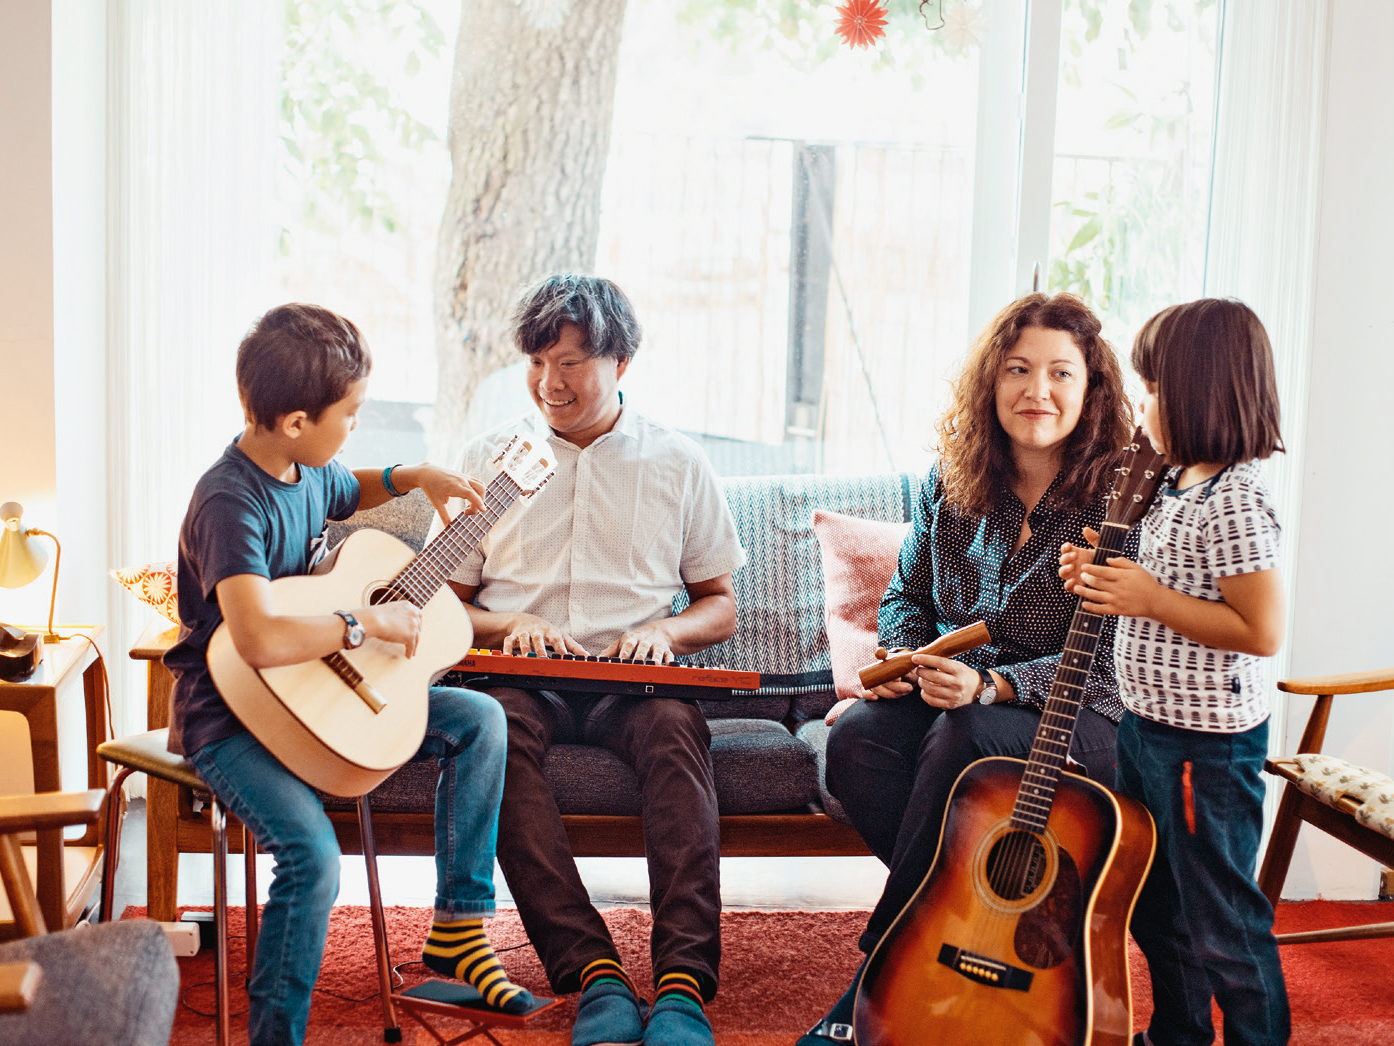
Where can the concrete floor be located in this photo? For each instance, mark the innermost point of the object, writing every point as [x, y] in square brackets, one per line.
[806, 883]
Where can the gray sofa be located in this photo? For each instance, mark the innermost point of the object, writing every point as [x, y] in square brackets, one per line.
[767, 746]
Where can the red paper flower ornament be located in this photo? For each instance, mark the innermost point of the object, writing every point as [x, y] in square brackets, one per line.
[861, 22]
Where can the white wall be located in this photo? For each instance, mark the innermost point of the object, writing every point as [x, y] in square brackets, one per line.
[52, 296]
[1345, 564]
[26, 254]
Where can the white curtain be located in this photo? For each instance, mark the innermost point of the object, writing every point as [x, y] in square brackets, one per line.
[1263, 222]
[192, 121]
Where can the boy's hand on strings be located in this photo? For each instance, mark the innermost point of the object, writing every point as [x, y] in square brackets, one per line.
[441, 484]
[395, 622]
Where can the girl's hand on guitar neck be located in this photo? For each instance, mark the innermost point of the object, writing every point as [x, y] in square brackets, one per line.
[397, 622]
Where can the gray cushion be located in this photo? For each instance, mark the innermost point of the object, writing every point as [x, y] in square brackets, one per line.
[814, 733]
[759, 766]
[113, 983]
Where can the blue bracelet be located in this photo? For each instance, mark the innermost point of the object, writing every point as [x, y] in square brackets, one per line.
[387, 481]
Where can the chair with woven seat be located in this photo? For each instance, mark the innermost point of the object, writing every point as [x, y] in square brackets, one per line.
[1351, 803]
[149, 754]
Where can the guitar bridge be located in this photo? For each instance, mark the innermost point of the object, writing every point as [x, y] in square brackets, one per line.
[987, 971]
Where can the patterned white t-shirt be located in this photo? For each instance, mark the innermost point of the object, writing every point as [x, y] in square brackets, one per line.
[615, 534]
[1190, 538]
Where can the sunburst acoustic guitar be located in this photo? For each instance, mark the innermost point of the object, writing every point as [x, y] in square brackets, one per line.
[343, 723]
[1018, 934]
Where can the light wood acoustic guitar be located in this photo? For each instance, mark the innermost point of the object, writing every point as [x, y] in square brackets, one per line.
[343, 723]
[1018, 934]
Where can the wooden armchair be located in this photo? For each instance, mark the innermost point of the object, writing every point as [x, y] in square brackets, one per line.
[19, 981]
[115, 984]
[1335, 812]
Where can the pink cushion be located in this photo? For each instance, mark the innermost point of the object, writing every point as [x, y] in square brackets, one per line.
[154, 584]
[859, 557]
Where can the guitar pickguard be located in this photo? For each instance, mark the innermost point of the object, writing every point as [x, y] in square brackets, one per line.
[1049, 933]
[1035, 880]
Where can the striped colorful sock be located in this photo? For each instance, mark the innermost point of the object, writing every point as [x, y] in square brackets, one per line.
[460, 949]
[603, 971]
[675, 984]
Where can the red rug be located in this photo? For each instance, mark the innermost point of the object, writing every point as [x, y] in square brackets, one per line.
[792, 965]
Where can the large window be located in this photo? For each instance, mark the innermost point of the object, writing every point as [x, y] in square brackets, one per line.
[811, 234]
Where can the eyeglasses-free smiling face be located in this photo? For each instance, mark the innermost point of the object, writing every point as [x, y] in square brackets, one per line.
[1041, 384]
[576, 392]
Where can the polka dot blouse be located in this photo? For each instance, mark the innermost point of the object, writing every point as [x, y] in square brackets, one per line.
[955, 570]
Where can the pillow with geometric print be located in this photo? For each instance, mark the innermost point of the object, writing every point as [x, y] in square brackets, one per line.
[155, 584]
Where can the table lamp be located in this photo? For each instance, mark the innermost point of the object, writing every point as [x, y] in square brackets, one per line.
[23, 559]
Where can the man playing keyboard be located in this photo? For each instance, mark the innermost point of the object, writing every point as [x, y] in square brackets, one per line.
[632, 517]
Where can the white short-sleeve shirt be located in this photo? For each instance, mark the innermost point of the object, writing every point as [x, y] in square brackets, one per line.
[1190, 539]
[615, 534]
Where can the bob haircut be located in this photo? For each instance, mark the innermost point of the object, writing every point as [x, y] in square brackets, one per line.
[595, 306]
[1211, 365]
[298, 357]
[976, 459]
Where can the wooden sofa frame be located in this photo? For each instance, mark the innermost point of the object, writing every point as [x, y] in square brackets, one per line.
[173, 827]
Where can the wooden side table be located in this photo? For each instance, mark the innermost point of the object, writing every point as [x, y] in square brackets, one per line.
[65, 665]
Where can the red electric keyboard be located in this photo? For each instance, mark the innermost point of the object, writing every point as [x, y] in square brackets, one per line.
[604, 675]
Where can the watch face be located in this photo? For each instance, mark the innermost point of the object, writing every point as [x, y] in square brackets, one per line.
[356, 635]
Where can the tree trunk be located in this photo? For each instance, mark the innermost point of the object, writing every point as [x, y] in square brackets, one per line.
[530, 115]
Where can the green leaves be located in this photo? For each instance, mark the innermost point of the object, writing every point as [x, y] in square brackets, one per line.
[336, 112]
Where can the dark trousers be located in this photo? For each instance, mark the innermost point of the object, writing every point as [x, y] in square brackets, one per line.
[1201, 920]
[668, 744]
[893, 763]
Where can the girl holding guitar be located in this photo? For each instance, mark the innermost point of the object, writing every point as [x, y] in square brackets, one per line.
[1027, 451]
[1198, 610]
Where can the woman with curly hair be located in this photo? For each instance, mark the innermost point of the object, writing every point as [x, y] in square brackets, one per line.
[1027, 451]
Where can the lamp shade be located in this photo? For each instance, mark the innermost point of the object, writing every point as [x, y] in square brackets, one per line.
[21, 559]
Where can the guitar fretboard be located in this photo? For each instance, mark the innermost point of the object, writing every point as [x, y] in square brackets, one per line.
[1052, 743]
[423, 577]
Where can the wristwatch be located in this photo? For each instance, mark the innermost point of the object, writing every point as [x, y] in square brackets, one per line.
[354, 633]
[988, 693]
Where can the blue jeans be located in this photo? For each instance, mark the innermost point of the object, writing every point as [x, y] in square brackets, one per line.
[467, 732]
[1201, 920]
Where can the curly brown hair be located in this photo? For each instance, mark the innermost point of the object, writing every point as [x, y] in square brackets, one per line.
[975, 456]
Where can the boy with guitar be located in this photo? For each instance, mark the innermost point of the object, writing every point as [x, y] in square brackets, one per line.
[258, 515]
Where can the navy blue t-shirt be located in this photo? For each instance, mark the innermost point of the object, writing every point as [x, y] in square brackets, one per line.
[241, 520]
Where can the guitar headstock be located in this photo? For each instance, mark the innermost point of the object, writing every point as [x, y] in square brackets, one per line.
[1138, 480]
[527, 461]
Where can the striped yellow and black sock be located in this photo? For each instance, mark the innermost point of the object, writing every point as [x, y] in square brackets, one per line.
[460, 949]
[603, 971]
[675, 984]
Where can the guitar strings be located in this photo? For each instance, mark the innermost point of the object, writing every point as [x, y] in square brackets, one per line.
[419, 581]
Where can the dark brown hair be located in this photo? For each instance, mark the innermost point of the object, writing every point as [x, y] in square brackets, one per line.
[595, 306]
[298, 357]
[975, 456]
[1211, 364]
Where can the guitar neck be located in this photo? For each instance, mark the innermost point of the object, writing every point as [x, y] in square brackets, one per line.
[1053, 736]
[423, 577]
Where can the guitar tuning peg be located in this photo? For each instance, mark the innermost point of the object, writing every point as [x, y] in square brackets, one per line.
[1150, 474]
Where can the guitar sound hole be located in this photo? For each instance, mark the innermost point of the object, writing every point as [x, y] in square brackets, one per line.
[1016, 865]
[384, 594]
